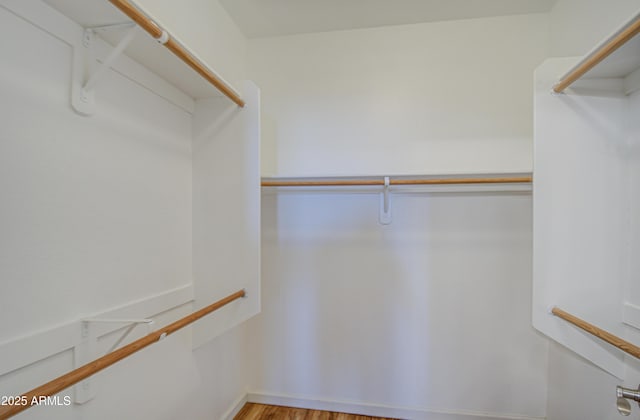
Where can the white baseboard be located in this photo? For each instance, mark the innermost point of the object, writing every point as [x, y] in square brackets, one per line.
[379, 410]
[235, 408]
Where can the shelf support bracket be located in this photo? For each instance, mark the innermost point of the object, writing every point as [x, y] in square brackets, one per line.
[115, 53]
[87, 350]
[82, 95]
[385, 204]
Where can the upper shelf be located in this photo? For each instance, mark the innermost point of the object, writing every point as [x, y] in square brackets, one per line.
[195, 79]
[617, 57]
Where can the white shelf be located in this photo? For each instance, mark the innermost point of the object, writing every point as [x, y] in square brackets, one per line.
[143, 49]
[613, 64]
[619, 64]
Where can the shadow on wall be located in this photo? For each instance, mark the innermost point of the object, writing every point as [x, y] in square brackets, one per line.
[335, 325]
[430, 312]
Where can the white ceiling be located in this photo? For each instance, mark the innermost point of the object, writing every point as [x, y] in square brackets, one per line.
[265, 18]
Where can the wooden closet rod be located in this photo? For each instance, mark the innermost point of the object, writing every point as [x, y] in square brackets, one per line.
[616, 341]
[156, 32]
[598, 55]
[366, 182]
[53, 387]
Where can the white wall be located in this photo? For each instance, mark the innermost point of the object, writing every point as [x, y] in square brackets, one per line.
[220, 376]
[83, 197]
[226, 203]
[97, 212]
[447, 97]
[430, 313]
[577, 389]
[570, 377]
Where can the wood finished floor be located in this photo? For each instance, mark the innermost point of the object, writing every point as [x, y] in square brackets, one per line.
[253, 411]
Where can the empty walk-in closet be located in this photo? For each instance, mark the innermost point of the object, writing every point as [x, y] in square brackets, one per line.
[216, 209]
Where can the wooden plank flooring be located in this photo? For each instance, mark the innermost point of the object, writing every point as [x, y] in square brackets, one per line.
[253, 411]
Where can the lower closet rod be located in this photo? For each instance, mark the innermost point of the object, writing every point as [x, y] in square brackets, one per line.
[53, 387]
[426, 181]
[614, 340]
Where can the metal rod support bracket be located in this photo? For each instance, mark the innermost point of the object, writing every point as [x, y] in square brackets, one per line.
[87, 349]
[106, 63]
[163, 38]
[83, 78]
[385, 204]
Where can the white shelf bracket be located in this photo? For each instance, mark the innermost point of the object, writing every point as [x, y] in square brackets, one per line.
[115, 53]
[385, 204]
[86, 350]
[83, 353]
[133, 322]
[84, 81]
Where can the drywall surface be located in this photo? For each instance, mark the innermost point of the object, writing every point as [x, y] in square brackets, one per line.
[429, 314]
[578, 389]
[446, 97]
[570, 377]
[226, 209]
[577, 26]
[97, 212]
